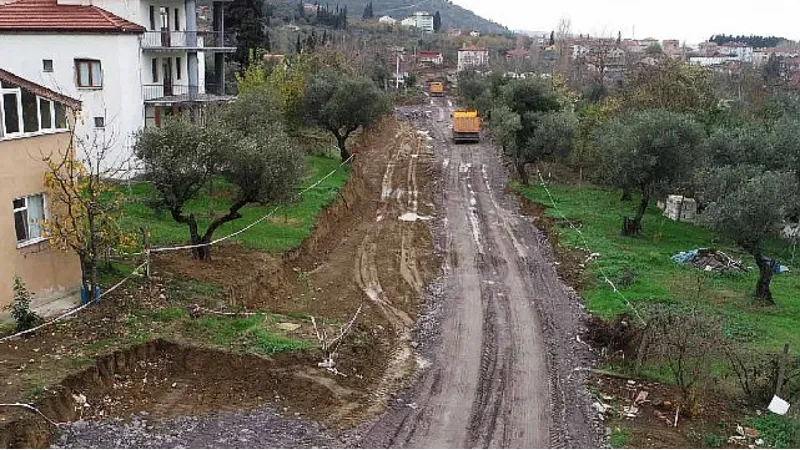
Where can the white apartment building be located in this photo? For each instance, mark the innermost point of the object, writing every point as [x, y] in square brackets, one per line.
[129, 62]
[472, 57]
[420, 19]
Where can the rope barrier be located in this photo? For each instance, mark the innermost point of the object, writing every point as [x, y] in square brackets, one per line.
[76, 310]
[586, 247]
[148, 252]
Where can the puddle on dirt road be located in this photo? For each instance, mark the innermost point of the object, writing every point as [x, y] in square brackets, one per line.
[165, 379]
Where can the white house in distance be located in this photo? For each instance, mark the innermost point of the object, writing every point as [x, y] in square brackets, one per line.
[435, 58]
[388, 20]
[472, 57]
[420, 19]
[129, 62]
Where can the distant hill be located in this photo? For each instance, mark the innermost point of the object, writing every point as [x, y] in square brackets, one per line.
[453, 16]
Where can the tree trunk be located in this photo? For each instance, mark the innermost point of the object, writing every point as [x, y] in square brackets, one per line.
[642, 209]
[202, 253]
[632, 227]
[92, 258]
[626, 195]
[523, 174]
[342, 142]
[766, 268]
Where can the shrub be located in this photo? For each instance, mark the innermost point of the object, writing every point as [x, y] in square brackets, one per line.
[21, 308]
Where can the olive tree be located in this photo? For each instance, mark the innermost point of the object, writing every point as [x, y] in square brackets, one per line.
[647, 152]
[747, 204]
[244, 144]
[342, 105]
[523, 108]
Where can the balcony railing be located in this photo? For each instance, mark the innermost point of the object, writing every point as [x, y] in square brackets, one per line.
[176, 93]
[187, 40]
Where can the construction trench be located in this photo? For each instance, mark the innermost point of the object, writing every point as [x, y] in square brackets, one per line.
[473, 341]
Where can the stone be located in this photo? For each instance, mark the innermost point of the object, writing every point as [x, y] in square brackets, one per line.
[287, 326]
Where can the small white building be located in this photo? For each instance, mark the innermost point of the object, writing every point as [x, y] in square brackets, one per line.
[472, 57]
[389, 20]
[130, 63]
[435, 58]
[420, 19]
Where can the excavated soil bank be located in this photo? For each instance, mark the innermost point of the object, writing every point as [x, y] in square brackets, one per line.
[166, 379]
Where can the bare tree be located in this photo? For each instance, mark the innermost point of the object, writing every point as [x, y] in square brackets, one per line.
[84, 204]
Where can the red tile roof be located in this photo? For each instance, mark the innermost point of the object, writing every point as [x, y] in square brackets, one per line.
[39, 90]
[49, 16]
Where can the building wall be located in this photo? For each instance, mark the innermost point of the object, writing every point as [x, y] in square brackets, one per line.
[119, 100]
[47, 272]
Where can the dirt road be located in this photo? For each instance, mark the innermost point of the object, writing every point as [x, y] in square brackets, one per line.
[504, 374]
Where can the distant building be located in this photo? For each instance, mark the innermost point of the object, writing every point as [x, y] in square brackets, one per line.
[475, 33]
[431, 57]
[421, 20]
[389, 20]
[741, 51]
[472, 57]
[518, 54]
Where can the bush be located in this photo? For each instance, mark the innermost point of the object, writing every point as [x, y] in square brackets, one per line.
[777, 431]
[21, 308]
[757, 374]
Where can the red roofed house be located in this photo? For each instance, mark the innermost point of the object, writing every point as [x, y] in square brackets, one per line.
[129, 62]
[431, 57]
[472, 57]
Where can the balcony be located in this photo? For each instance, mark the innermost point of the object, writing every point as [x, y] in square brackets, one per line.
[188, 40]
[169, 94]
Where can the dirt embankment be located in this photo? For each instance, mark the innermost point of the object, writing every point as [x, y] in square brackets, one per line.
[364, 251]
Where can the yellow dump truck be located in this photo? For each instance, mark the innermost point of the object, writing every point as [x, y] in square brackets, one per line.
[466, 127]
[437, 89]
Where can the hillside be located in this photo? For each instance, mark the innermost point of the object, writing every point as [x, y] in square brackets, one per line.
[453, 16]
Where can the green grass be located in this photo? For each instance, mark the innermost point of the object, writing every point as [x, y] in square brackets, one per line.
[620, 437]
[657, 278]
[285, 231]
[777, 431]
[251, 333]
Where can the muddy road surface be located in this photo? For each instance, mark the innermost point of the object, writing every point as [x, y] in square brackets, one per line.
[507, 370]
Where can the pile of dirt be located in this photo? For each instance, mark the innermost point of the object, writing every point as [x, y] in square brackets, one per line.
[647, 411]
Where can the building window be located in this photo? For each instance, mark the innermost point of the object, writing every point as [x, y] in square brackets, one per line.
[177, 20]
[47, 65]
[22, 112]
[154, 69]
[89, 73]
[178, 68]
[152, 17]
[99, 122]
[28, 218]
[11, 112]
[30, 112]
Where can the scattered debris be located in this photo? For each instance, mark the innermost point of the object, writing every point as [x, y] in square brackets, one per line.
[641, 397]
[779, 406]
[287, 326]
[709, 260]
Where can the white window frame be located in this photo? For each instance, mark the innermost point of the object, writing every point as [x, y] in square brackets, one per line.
[17, 91]
[20, 125]
[36, 240]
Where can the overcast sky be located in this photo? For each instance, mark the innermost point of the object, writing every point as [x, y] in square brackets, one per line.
[690, 20]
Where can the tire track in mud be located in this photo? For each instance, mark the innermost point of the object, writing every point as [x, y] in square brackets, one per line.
[505, 367]
[396, 215]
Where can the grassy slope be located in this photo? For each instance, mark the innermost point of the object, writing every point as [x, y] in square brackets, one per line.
[656, 277]
[284, 231]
